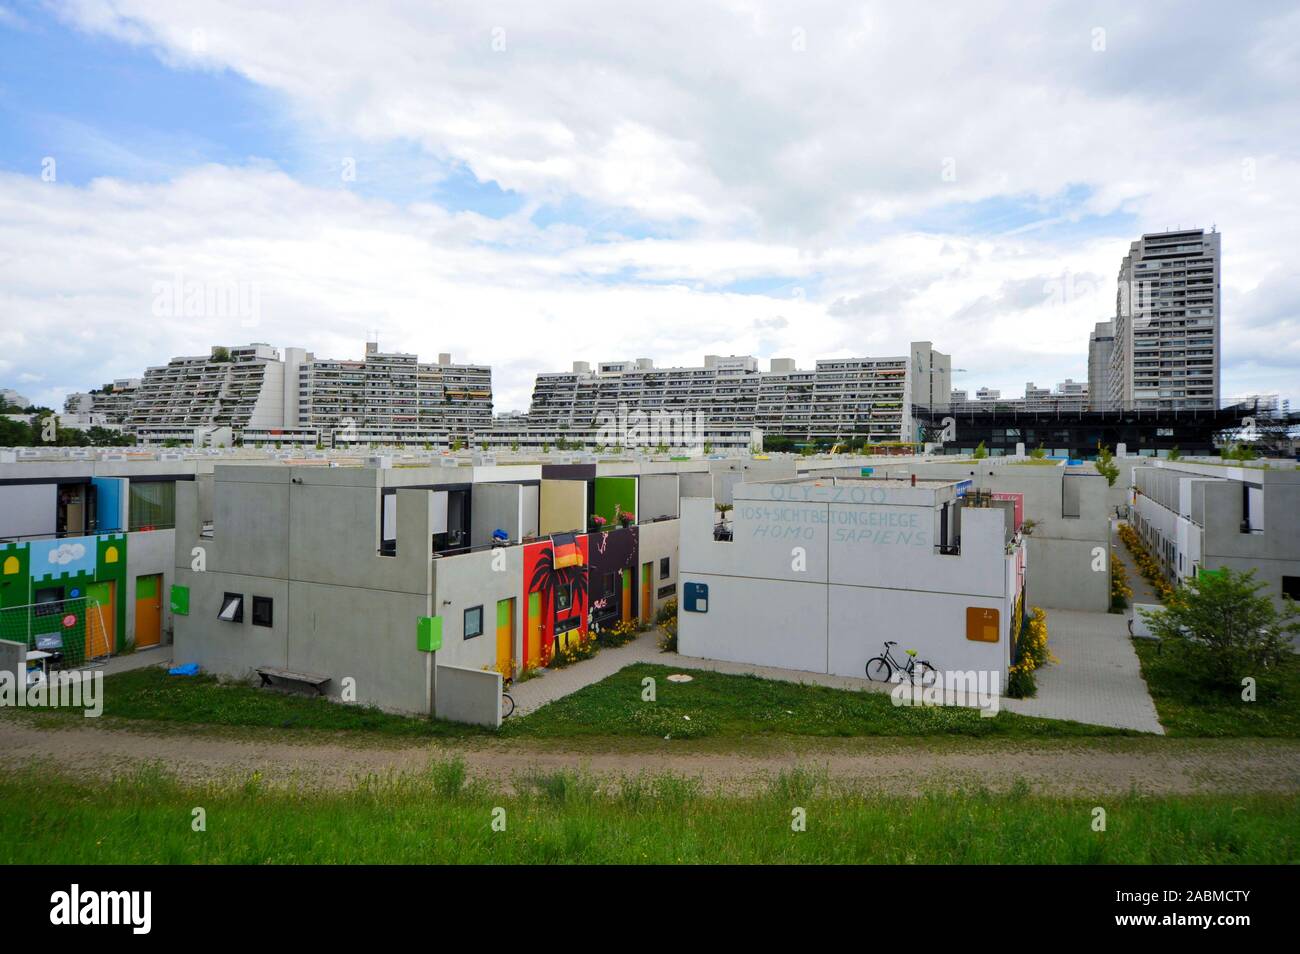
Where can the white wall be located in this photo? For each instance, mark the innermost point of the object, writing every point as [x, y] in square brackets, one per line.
[28, 509]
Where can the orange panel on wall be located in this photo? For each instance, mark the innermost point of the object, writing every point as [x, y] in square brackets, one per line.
[981, 624]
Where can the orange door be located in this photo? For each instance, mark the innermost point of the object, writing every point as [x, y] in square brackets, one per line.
[627, 595]
[647, 591]
[506, 637]
[533, 647]
[101, 615]
[148, 610]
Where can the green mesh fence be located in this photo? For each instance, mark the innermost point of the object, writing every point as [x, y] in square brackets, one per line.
[74, 632]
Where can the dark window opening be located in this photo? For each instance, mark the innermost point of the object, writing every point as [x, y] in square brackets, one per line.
[1291, 587]
[262, 610]
[663, 568]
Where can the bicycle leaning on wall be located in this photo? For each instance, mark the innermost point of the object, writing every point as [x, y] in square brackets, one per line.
[918, 671]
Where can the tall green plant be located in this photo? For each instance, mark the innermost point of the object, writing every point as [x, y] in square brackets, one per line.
[1220, 626]
[1106, 465]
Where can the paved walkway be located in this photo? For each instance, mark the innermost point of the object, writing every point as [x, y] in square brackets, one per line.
[1142, 590]
[140, 659]
[1098, 679]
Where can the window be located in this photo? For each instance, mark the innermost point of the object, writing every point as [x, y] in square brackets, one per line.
[262, 610]
[1291, 587]
[663, 568]
[232, 608]
[153, 504]
[563, 597]
[473, 622]
[47, 601]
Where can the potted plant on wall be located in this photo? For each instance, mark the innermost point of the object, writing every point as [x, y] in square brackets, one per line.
[623, 517]
[598, 522]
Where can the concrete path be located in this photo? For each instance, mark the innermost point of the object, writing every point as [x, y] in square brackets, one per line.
[1142, 590]
[153, 656]
[1098, 679]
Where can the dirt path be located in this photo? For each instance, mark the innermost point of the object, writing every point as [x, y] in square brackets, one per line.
[1155, 766]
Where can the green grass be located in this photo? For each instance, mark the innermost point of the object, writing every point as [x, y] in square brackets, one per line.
[710, 705]
[1185, 709]
[440, 817]
[713, 704]
[152, 695]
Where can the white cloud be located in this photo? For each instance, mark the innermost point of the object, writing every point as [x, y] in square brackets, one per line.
[805, 168]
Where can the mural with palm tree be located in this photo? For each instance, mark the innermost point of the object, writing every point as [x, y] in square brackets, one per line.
[548, 580]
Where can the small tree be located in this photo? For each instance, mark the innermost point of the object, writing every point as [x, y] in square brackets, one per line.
[1039, 452]
[1219, 625]
[980, 452]
[1106, 465]
[1175, 453]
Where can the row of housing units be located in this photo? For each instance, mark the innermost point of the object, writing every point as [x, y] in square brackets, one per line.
[1195, 517]
[255, 395]
[418, 588]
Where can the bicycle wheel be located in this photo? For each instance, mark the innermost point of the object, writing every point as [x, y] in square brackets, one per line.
[507, 705]
[879, 670]
[925, 674]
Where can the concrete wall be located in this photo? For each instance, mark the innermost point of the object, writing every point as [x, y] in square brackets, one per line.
[149, 552]
[493, 506]
[815, 581]
[469, 695]
[28, 510]
[1062, 550]
[656, 541]
[308, 538]
[13, 660]
[659, 496]
[563, 506]
[473, 579]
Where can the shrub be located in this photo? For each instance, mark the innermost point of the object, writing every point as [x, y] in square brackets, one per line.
[1033, 655]
[1120, 591]
[620, 634]
[980, 452]
[574, 651]
[667, 611]
[1219, 627]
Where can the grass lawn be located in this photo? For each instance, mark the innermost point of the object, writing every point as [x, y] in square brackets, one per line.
[152, 695]
[1186, 710]
[714, 704]
[438, 817]
[711, 704]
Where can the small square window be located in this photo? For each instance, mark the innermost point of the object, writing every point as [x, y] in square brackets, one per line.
[1291, 587]
[262, 610]
[232, 608]
[563, 597]
[473, 622]
[663, 568]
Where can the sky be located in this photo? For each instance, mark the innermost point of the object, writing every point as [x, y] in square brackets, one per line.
[525, 185]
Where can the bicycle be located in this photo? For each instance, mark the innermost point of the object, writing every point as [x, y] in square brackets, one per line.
[882, 668]
[507, 701]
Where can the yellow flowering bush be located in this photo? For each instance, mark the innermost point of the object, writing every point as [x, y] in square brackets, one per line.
[1120, 591]
[1147, 565]
[1033, 654]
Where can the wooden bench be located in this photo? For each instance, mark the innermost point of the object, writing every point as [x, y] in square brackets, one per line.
[310, 679]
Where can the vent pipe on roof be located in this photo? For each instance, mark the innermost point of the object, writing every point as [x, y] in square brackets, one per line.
[914, 480]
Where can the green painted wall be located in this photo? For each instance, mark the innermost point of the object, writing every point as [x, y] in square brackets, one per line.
[19, 588]
[611, 491]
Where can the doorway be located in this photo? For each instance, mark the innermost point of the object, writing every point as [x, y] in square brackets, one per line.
[101, 616]
[506, 638]
[148, 610]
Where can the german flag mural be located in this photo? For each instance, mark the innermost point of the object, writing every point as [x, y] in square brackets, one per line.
[556, 589]
[572, 582]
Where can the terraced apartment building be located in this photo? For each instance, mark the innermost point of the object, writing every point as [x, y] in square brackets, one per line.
[394, 398]
[1166, 351]
[263, 395]
[838, 398]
